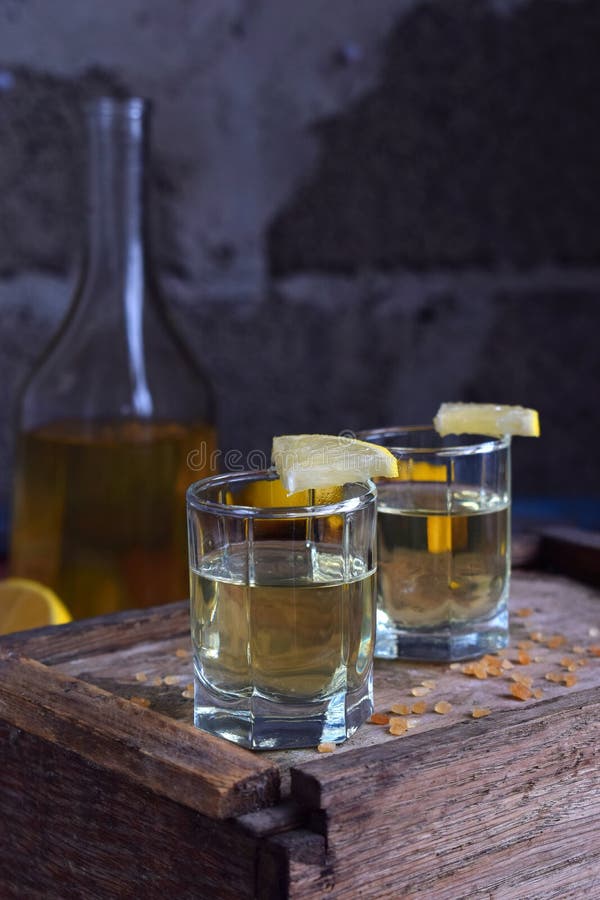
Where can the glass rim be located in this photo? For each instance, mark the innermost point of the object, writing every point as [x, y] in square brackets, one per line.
[351, 504]
[481, 443]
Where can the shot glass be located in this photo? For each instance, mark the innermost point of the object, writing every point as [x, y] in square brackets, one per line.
[443, 537]
[283, 601]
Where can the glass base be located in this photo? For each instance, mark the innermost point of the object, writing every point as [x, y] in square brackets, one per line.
[449, 643]
[260, 723]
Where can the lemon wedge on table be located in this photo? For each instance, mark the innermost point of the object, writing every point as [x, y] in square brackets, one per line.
[29, 604]
[486, 418]
[312, 461]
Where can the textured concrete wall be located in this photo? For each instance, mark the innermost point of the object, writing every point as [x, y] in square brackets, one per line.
[360, 209]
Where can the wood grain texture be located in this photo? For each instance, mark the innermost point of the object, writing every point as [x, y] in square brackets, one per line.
[72, 829]
[172, 759]
[504, 806]
[294, 864]
[117, 631]
[487, 808]
[556, 605]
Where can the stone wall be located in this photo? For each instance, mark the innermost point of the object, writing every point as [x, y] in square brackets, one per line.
[360, 209]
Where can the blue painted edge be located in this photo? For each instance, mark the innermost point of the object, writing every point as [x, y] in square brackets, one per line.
[582, 512]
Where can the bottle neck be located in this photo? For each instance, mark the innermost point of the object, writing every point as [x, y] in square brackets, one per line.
[115, 265]
[115, 215]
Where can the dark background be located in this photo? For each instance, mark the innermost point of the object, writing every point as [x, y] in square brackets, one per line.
[360, 209]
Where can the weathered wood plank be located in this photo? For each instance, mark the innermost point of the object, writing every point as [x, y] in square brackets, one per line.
[294, 865]
[117, 631]
[72, 829]
[456, 808]
[488, 806]
[173, 759]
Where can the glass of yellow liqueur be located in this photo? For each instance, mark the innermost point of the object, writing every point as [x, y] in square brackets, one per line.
[282, 608]
[443, 533]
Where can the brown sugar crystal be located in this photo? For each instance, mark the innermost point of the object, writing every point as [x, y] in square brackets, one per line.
[520, 691]
[524, 612]
[326, 747]
[527, 680]
[398, 726]
[476, 669]
[419, 708]
[480, 711]
[420, 691]
[402, 709]
[442, 707]
[378, 719]
[140, 701]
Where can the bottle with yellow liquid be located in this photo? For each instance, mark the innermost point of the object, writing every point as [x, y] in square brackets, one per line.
[114, 411]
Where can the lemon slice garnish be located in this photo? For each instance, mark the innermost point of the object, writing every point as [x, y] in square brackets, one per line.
[29, 604]
[305, 461]
[486, 418]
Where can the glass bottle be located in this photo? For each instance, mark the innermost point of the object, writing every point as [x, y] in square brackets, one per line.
[110, 415]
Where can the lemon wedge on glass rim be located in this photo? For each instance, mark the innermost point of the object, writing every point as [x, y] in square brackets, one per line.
[28, 604]
[490, 419]
[312, 461]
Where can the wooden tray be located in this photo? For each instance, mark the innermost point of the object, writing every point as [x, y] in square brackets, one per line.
[103, 797]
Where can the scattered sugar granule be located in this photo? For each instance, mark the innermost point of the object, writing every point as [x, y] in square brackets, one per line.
[182, 653]
[157, 681]
[401, 708]
[569, 680]
[523, 658]
[419, 691]
[442, 707]
[419, 708]
[172, 679]
[327, 747]
[189, 695]
[476, 669]
[429, 683]
[398, 726]
[556, 677]
[524, 612]
[480, 711]
[140, 701]
[567, 663]
[556, 640]
[538, 693]
[378, 719]
[527, 680]
[520, 691]
[141, 676]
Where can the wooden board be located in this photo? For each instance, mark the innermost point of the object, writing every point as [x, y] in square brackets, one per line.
[456, 807]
